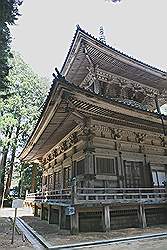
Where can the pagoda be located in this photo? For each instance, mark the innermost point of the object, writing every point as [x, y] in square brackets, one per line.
[101, 141]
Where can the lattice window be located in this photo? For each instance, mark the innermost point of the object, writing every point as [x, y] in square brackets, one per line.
[105, 166]
[57, 179]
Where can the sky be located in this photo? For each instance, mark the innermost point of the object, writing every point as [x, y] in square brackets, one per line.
[44, 31]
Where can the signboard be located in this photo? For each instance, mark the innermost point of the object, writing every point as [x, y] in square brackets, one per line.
[69, 210]
[17, 203]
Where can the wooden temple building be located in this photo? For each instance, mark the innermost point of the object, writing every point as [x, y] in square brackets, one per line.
[101, 140]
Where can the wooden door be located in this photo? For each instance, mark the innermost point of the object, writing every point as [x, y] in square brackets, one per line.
[133, 174]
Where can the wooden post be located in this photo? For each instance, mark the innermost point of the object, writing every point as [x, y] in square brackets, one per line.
[74, 221]
[59, 218]
[106, 218]
[74, 190]
[42, 212]
[62, 176]
[120, 170]
[62, 219]
[73, 168]
[142, 216]
[89, 163]
[35, 212]
[50, 214]
[14, 225]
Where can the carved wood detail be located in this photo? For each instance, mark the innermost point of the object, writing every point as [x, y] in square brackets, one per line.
[109, 84]
[61, 148]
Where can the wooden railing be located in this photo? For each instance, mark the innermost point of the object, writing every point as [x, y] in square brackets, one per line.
[50, 196]
[124, 195]
[102, 195]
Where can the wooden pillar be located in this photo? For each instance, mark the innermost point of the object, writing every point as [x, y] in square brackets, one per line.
[106, 218]
[142, 216]
[89, 149]
[74, 191]
[73, 169]
[42, 215]
[62, 176]
[148, 173]
[74, 223]
[62, 218]
[121, 171]
[50, 220]
[35, 210]
[89, 163]
[59, 223]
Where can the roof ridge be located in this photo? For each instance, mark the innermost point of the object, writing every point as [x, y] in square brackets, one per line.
[78, 28]
[120, 52]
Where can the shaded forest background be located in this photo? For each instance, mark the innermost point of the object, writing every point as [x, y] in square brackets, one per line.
[22, 95]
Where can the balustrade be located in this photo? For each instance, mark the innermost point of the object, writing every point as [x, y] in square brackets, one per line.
[104, 195]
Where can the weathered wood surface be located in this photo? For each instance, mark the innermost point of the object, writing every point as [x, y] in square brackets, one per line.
[103, 195]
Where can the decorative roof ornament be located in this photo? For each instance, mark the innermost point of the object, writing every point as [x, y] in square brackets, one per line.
[101, 35]
[59, 76]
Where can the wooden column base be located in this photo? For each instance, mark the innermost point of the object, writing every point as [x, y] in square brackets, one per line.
[142, 216]
[106, 218]
[74, 223]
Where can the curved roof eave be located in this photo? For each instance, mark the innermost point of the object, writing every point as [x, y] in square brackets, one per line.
[80, 33]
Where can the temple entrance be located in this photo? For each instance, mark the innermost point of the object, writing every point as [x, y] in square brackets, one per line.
[133, 174]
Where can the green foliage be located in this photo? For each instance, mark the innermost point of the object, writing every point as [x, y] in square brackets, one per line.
[22, 108]
[8, 15]
[23, 176]
[20, 111]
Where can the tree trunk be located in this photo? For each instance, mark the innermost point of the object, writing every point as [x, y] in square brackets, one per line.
[10, 172]
[4, 160]
[2, 170]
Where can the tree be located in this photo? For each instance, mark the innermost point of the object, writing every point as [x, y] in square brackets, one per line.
[24, 174]
[19, 114]
[8, 15]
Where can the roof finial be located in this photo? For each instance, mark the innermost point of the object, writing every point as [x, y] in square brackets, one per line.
[101, 35]
[78, 27]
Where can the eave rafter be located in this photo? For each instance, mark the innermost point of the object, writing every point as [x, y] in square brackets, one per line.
[65, 119]
[105, 57]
